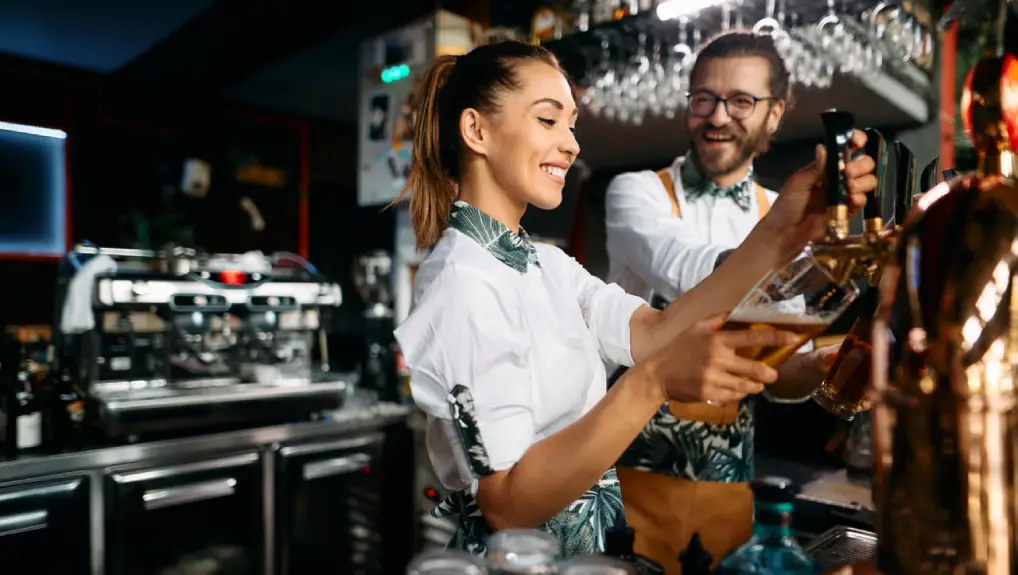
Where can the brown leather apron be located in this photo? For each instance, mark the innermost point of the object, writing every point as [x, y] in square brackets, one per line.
[665, 511]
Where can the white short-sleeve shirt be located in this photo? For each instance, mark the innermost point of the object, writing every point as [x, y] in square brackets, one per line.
[521, 330]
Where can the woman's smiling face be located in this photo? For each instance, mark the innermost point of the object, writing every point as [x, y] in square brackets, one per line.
[532, 136]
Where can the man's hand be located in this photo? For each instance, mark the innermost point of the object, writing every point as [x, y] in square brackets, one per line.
[799, 215]
[803, 373]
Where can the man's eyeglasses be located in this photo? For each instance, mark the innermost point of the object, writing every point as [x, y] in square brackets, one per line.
[739, 107]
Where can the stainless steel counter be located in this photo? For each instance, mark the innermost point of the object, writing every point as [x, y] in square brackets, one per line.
[343, 421]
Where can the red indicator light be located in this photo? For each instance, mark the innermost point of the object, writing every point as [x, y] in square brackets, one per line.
[232, 278]
[431, 494]
[366, 469]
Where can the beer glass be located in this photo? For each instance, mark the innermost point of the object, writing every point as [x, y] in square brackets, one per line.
[803, 298]
[843, 392]
[446, 562]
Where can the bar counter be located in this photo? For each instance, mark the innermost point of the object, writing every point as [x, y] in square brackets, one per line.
[277, 499]
[342, 422]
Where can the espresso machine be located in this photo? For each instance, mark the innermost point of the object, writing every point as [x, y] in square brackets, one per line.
[173, 340]
[945, 345]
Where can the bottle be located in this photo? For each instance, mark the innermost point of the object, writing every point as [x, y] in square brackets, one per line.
[581, 15]
[772, 550]
[446, 562]
[622, 9]
[618, 543]
[64, 418]
[22, 417]
[547, 24]
[602, 11]
[522, 551]
[695, 559]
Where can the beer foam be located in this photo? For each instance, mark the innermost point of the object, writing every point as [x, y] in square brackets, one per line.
[778, 317]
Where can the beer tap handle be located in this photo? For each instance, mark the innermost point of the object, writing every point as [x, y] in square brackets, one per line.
[904, 187]
[930, 176]
[838, 129]
[872, 212]
[950, 174]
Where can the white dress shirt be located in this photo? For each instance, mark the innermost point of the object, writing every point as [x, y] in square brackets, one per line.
[653, 252]
[528, 345]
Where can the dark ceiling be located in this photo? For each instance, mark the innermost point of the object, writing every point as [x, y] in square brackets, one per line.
[295, 56]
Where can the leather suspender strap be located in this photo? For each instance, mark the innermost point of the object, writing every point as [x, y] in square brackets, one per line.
[762, 204]
[715, 414]
[665, 175]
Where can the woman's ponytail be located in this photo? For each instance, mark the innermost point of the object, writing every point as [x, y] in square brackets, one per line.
[430, 185]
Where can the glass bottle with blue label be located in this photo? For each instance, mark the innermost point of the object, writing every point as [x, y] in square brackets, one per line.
[772, 550]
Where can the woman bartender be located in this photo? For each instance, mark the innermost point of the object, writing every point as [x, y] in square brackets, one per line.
[506, 339]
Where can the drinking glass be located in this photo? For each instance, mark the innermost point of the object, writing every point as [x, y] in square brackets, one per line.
[447, 562]
[802, 297]
[522, 551]
[595, 565]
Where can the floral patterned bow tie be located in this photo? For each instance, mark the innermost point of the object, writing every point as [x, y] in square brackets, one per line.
[695, 185]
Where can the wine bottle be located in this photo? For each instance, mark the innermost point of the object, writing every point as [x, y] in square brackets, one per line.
[22, 416]
[64, 417]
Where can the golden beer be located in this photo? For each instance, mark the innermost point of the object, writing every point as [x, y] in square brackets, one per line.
[844, 389]
[806, 327]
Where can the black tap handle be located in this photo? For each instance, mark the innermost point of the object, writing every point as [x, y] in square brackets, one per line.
[904, 185]
[930, 176]
[876, 148]
[838, 129]
[950, 174]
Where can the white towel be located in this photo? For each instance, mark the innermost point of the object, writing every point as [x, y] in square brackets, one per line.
[77, 316]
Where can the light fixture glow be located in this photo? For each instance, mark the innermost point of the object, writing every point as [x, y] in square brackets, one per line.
[935, 193]
[395, 73]
[33, 130]
[673, 9]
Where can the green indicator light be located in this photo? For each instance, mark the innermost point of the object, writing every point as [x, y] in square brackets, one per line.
[395, 73]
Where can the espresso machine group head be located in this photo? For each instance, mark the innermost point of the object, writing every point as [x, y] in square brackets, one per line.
[180, 339]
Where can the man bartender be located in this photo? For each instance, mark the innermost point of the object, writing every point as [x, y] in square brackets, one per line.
[688, 471]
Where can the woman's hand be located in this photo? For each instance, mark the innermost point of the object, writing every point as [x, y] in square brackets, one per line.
[799, 215]
[701, 364]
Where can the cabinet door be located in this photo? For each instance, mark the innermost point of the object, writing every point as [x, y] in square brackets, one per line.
[329, 507]
[44, 527]
[201, 516]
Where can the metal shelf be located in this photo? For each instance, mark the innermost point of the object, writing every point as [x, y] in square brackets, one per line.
[901, 95]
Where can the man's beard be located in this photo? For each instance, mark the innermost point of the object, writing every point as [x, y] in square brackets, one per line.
[714, 163]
